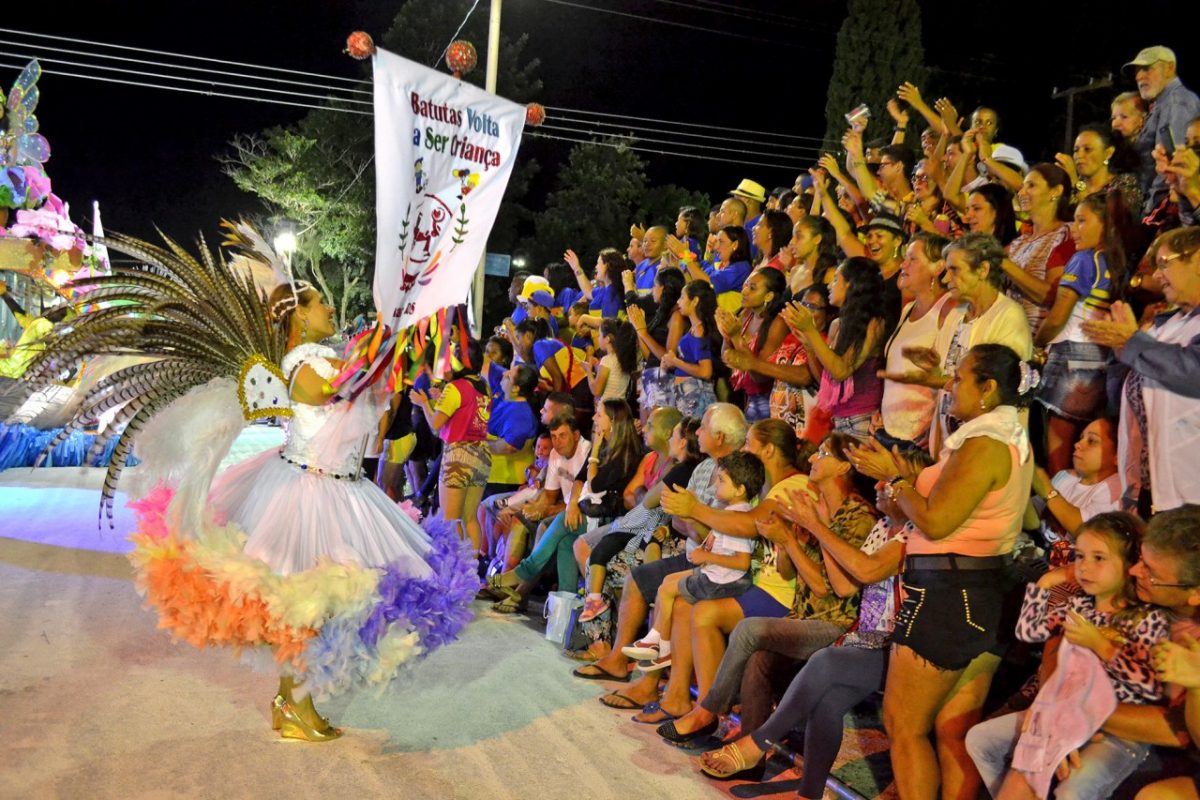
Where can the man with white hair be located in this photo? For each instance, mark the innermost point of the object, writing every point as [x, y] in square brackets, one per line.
[722, 431]
[1172, 107]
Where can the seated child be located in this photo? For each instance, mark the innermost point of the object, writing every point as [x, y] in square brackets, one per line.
[1106, 618]
[722, 562]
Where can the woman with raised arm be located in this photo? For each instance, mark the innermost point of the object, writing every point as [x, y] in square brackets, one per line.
[850, 389]
[1036, 258]
[658, 330]
[990, 210]
[759, 331]
[460, 416]
[1073, 386]
[906, 409]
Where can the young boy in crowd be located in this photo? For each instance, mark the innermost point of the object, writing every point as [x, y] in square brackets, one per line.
[722, 563]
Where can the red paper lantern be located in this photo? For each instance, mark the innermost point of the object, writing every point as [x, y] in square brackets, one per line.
[360, 45]
[535, 114]
[461, 57]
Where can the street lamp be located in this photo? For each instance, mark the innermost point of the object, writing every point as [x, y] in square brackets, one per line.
[285, 245]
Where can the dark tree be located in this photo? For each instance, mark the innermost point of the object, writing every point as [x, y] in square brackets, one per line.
[878, 48]
[598, 190]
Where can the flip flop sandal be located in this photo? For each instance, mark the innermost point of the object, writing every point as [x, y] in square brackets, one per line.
[667, 731]
[741, 770]
[619, 701]
[655, 708]
[492, 590]
[509, 605]
[601, 674]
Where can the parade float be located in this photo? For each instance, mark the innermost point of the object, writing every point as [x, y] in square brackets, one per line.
[41, 251]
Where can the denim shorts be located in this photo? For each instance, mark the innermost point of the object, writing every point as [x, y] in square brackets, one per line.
[649, 576]
[698, 586]
[1072, 383]
[693, 396]
[658, 389]
[758, 406]
[950, 616]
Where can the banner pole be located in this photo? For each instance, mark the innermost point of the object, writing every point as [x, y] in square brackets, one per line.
[493, 69]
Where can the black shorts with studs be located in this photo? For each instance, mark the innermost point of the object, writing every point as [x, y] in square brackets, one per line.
[951, 613]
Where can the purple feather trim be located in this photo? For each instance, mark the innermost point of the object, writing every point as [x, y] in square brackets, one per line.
[342, 655]
[435, 607]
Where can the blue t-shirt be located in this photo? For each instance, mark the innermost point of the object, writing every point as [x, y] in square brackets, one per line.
[643, 274]
[1087, 275]
[567, 298]
[693, 349]
[495, 373]
[607, 299]
[544, 350]
[729, 278]
[513, 421]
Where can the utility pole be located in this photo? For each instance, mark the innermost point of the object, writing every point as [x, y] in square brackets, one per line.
[493, 69]
[1069, 94]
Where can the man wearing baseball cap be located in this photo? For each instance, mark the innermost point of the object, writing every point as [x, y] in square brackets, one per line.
[1172, 107]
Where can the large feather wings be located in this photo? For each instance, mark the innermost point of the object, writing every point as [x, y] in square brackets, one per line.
[196, 318]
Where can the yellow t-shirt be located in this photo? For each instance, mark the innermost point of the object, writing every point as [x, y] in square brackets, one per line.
[768, 577]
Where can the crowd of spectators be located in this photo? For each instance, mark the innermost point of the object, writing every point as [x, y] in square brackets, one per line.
[925, 424]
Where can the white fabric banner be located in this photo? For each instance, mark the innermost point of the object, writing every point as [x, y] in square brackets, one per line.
[444, 151]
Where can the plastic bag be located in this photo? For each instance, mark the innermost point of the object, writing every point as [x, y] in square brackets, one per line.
[557, 612]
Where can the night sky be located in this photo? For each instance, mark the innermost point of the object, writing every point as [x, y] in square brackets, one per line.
[148, 155]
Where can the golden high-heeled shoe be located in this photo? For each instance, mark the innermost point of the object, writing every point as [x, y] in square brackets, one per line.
[293, 726]
[277, 712]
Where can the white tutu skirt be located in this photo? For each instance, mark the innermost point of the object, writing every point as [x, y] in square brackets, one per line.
[294, 519]
[341, 585]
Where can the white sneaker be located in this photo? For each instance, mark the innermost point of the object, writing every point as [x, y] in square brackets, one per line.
[655, 664]
[641, 650]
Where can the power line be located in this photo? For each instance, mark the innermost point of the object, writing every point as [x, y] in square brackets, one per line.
[636, 128]
[461, 25]
[203, 81]
[683, 146]
[749, 14]
[685, 25]
[205, 70]
[717, 4]
[179, 55]
[692, 145]
[210, 92]
[251, 92]
[618, 146]
[688, 124]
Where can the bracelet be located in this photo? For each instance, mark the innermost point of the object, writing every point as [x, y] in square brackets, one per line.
[593, 461]
[1053, 493]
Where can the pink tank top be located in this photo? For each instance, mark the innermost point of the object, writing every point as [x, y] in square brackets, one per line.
[469, 423]
[993, 526]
